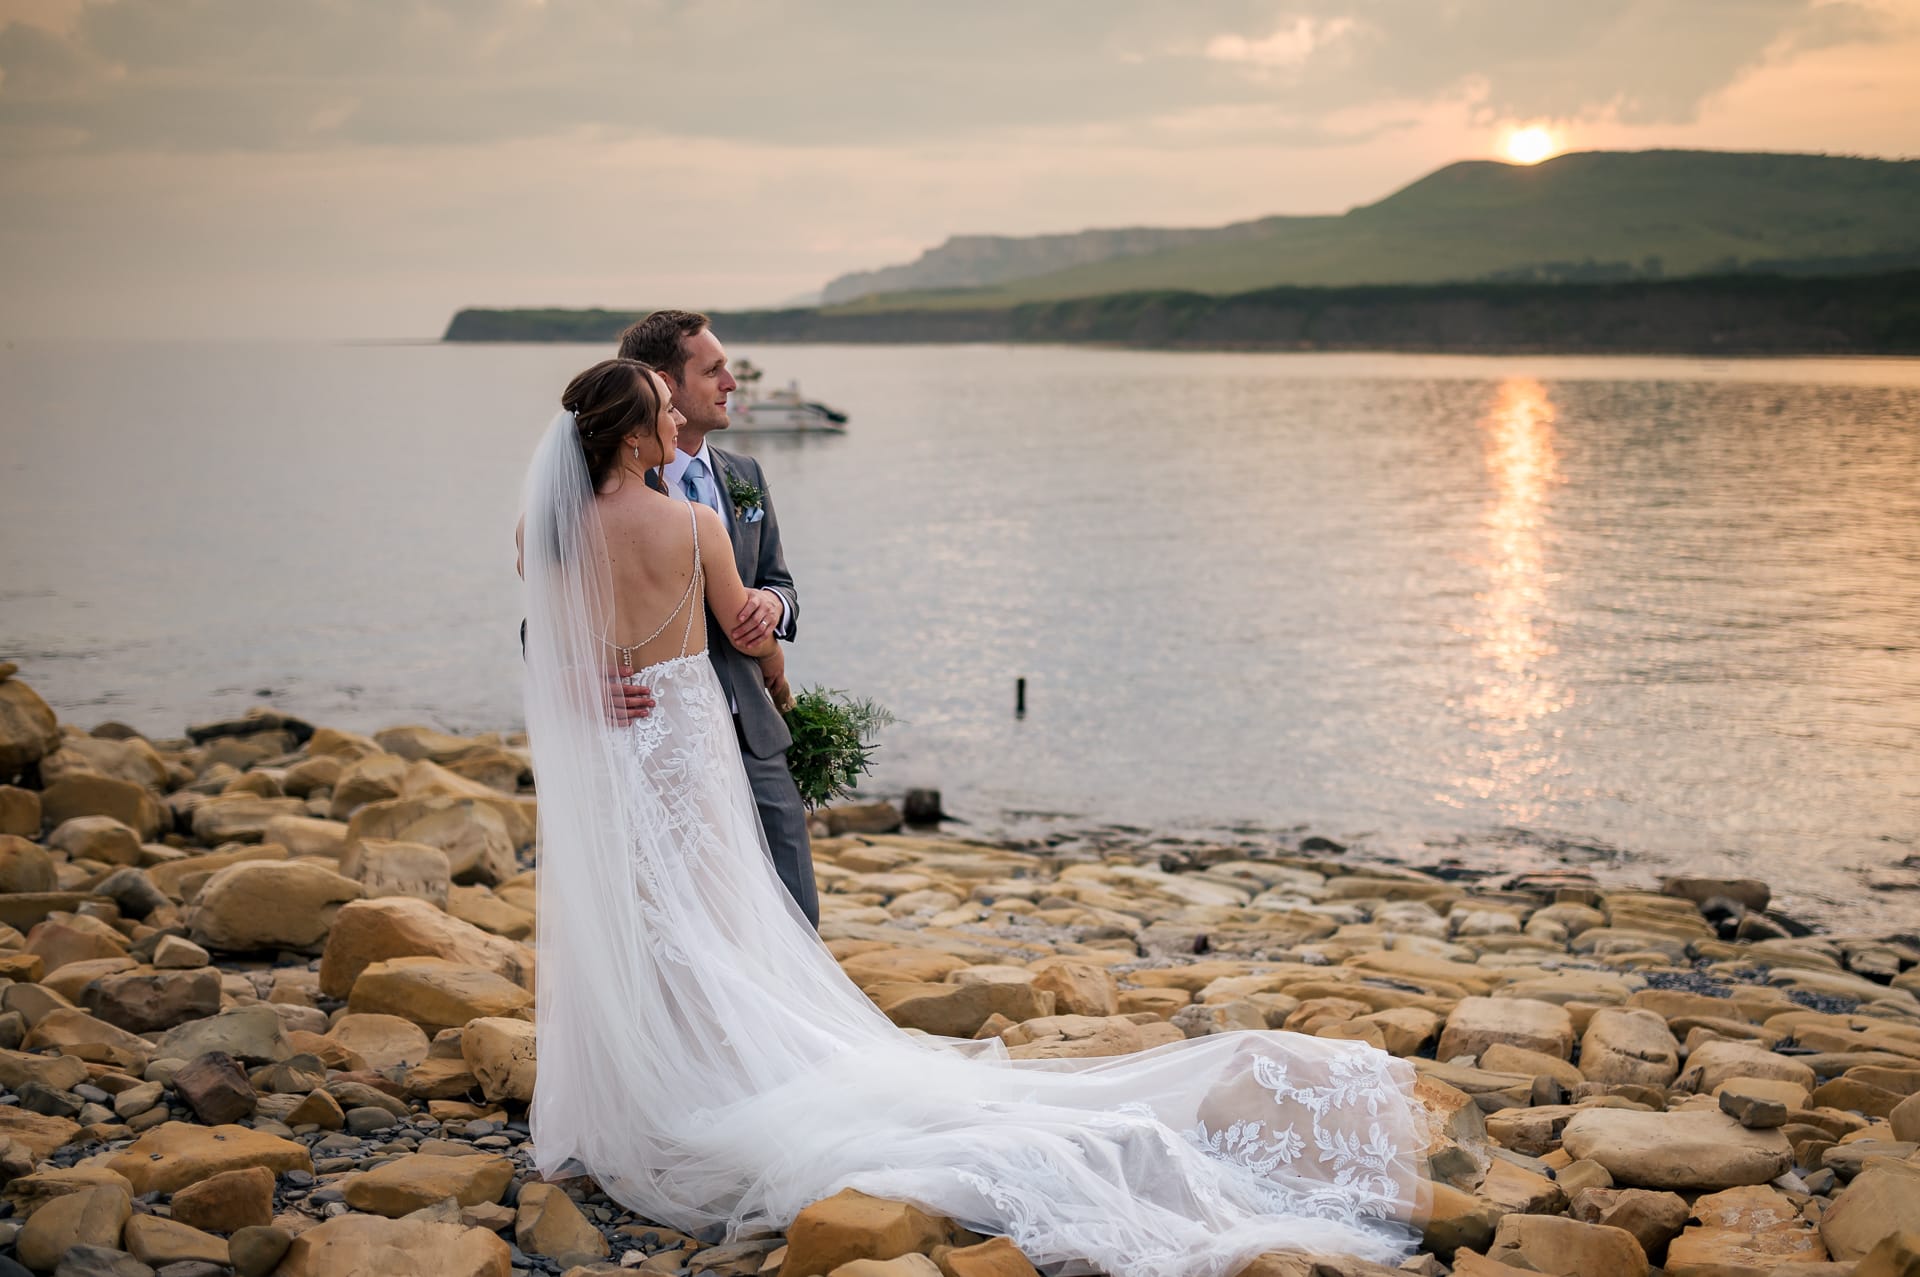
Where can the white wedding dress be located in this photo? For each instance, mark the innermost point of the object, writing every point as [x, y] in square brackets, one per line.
[702, 1055]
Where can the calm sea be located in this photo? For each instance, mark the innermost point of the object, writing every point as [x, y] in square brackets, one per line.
[1658, 611]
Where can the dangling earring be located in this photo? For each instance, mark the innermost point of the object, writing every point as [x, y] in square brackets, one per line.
[636, 452]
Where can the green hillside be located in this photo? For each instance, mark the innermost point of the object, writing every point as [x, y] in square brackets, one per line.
[1589, 216]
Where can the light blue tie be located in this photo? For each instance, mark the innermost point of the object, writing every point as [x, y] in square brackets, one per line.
[695, 482]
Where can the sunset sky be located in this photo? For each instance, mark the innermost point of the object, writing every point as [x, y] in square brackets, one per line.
[362, 168]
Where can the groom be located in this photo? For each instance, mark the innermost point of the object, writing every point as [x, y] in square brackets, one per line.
[682, 346]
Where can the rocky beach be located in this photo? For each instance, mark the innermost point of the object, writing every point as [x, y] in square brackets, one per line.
[266, 1003]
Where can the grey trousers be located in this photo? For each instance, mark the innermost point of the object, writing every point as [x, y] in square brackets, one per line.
[783, 818]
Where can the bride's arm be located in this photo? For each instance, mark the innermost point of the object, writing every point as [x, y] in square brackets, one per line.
[725, 593]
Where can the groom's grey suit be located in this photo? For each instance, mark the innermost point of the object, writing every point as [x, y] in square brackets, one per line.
[764, 738]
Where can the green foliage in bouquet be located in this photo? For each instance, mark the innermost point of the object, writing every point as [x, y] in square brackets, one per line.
[832, 742]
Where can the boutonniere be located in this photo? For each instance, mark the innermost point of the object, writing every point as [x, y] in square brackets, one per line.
[749, 503]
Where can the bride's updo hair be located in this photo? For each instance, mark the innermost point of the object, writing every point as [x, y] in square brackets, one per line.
[609, 401]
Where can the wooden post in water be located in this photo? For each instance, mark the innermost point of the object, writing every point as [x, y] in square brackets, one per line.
[1019, 698]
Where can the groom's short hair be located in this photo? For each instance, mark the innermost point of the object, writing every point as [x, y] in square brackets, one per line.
[658, 341]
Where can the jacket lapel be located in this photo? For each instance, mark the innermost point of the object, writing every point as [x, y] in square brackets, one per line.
[743, 556]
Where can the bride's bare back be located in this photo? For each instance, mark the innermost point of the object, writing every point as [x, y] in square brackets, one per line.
[665, 559]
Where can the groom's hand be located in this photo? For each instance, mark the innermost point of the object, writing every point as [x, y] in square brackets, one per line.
[625, 702]
[757, 618]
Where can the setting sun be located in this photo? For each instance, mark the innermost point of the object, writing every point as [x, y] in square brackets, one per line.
[1530, 145]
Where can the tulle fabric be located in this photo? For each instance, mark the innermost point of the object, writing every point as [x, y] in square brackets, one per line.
[703, 1056]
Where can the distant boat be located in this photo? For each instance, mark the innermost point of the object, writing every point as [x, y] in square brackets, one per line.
[778, 409]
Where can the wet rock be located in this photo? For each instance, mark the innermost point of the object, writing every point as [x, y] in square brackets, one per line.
[1696, 1149]
[851, 1225]
[172, 1156]
[413, 1181]
[269, 905]
[548, 1223]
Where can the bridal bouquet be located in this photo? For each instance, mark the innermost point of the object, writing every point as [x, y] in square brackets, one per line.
[832, 742]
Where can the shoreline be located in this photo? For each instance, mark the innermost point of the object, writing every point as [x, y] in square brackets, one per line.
[269, 997]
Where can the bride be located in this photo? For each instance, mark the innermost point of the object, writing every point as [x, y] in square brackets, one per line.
[705, 1059]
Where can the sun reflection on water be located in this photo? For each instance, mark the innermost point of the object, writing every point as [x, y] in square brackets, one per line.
[1516, 694]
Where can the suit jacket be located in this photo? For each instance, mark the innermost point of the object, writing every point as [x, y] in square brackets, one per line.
[757, 553]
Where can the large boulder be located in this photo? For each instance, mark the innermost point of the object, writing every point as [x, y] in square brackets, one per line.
[546, 1222]
[240, 817]
[1749, 1229]
[500, 1055]
[255, 1034]
[26, 866]
[1629, 1045]
[269, 905]
[382, 1042]
[436, 994]
[101, 838]
[175, 1154]
[412, 1181]
[357, 1245]
[850, 1225]
[1477, 1023]
[91, 1217]
[81, 795]
[384, 868]
[1884, 1198]
[145, 1000]
[476, 837]
[131, 760]
[369, 931]
[1079, 987]
[28, 729]
[1567, 1247]
[74, 1032]
[1690, 1149]
[227, 1202]
[447, 821]
[958, 1010]
[1712, 1063]
[19, 811]
[368, 780]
